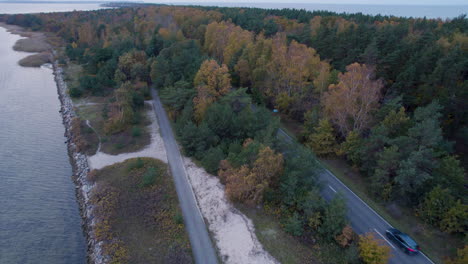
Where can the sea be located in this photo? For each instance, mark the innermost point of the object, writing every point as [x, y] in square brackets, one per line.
[417, 11]
[39, 216]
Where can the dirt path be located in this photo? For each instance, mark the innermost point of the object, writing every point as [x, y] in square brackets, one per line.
[154, 150]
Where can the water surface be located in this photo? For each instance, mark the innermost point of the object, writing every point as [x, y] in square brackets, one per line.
[16, 8]
[429, 11]
[39, 216]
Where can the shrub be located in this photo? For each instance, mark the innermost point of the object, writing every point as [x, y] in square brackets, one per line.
[119, 146]
[346, 237]
[211, 160]
[75, 92]
[178, 218]
[136, 132]
[294, 225]
[149, 178]
[137, 164]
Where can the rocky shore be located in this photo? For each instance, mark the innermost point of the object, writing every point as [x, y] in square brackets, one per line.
[81, 169]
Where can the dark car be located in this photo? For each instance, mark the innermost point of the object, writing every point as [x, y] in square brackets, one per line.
[403, 241]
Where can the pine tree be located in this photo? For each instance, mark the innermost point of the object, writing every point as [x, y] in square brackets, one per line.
[323, 140]
[351, 147]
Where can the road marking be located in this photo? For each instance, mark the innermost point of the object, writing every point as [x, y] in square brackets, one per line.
[338, 180]
[384, 238]
[331, 188]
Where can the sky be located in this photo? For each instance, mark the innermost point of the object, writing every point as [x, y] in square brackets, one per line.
[369, 2]
[365, 2]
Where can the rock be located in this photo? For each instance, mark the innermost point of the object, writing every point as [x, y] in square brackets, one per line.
[80, 167]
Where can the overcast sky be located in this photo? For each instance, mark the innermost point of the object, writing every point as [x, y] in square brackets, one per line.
[366, 2]
[373, 2]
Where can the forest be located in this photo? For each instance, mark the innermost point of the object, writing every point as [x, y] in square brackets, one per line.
[389, 95]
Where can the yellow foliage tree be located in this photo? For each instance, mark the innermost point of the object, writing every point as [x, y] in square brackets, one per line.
[323, 140]
[462, 256]
[212, 81]
[224, 39]
[373, 250]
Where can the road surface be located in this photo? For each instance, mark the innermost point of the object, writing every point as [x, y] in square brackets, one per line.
[202, 247]
[362, 218]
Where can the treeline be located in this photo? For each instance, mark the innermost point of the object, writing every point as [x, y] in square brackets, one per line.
[388, 94]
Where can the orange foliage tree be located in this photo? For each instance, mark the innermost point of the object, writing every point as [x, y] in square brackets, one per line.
[247, 184]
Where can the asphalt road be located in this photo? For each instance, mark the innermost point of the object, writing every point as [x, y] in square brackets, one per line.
[362, 218]
[202, 247]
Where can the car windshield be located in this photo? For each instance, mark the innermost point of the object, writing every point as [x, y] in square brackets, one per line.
[409, 241]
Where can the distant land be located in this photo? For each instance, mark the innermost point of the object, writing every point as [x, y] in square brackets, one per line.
[444, 11]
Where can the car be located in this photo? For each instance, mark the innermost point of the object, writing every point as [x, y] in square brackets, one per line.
[405, 242]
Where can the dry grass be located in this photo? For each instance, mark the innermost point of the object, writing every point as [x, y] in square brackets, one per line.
[35, 60]
[37, 43]
[285, 248]
[143, 215]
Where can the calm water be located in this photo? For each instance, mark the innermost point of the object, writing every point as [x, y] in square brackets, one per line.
[39, 216]
[14, 8]
[395, 10]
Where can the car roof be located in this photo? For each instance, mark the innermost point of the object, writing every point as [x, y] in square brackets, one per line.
[408, 240]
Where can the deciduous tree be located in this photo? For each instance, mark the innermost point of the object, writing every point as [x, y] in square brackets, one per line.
[462, 256]
[211, 81]
[349, 104]
[373, 250]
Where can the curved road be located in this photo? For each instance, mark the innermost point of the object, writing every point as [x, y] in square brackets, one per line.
[202, 248]
[362, 218]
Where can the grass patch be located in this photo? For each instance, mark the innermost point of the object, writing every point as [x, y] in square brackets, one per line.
[132, 139]
[145, 217]
[285, 248]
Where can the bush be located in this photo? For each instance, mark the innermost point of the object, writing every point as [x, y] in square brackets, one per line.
[178, 218]
[75, 92]
[211, 160]
[137, 164]
[149, 178]
[294, 225]
[119, 146]
[136, 132]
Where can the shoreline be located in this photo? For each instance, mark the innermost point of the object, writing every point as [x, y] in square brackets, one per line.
[31, 42]
[81, 169]
[225, 223]
[78, 161]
